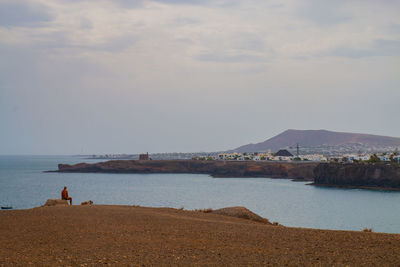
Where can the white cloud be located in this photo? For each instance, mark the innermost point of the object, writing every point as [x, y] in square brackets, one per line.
[215, 61]
[23, 13]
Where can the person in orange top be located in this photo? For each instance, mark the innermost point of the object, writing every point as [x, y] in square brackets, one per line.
[64, 195]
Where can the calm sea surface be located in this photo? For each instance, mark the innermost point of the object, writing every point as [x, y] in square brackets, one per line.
[23, 185]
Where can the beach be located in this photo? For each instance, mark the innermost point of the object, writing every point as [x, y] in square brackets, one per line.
[138, 236]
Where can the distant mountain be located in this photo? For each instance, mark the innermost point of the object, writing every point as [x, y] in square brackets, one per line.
[315, 138]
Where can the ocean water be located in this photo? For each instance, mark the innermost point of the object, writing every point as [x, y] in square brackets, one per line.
[24, 185]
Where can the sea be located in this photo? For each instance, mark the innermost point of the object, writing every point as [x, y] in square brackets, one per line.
[25, 185]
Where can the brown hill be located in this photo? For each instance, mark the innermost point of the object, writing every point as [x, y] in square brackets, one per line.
[313, 138]
[136, 236]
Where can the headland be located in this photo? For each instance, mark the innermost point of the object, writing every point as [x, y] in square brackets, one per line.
[350, 175]
[301, 171]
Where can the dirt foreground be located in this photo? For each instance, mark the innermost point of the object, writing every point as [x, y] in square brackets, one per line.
[136, 236]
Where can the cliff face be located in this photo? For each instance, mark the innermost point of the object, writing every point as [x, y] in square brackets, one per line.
[335, 174]
[214, 168]
[369, 175]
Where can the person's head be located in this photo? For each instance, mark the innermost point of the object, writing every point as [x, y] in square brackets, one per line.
[65, 187]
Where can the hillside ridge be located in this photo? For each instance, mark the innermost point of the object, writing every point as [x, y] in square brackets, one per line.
[314, 138]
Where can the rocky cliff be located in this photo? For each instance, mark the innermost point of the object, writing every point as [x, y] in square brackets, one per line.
[214, 168]
[332, 174]
[358, 175]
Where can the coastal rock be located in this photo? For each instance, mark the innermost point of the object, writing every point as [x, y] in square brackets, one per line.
[56, 202]
[240, 212]
[213, 168]
[381, 175]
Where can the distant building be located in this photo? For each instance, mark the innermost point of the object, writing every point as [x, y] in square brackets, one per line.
[283, 153]
[144, 156]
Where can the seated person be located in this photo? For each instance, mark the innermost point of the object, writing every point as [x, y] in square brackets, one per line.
[64, 195]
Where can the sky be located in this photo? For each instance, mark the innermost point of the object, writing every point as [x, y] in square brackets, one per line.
[120, 76]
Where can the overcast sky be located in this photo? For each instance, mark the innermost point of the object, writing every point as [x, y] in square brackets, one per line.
[122, 76]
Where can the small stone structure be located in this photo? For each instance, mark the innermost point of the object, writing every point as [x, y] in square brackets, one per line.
[56, 202]
[144, 156]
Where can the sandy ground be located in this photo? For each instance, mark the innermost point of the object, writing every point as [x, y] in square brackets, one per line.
[137, 236]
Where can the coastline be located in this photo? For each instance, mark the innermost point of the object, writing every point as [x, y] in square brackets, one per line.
[362, 176]
[253, 169]
[383, 176]
[373, 188]
[131, 235]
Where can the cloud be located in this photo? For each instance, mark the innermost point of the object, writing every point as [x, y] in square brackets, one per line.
[129, 3]
[394, 28]
[250, 42]
[118, 44]
[97, 62]
[323, 12]
[140, 3]
[132, 4]
[379, 47]
[227, 58]
[23, 13]
[61, 41]
[221, 3]
[183, 2]
[181, 21]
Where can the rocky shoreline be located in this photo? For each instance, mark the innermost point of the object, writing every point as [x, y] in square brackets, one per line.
[298, 171]
[358, 175]
[378, 176]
